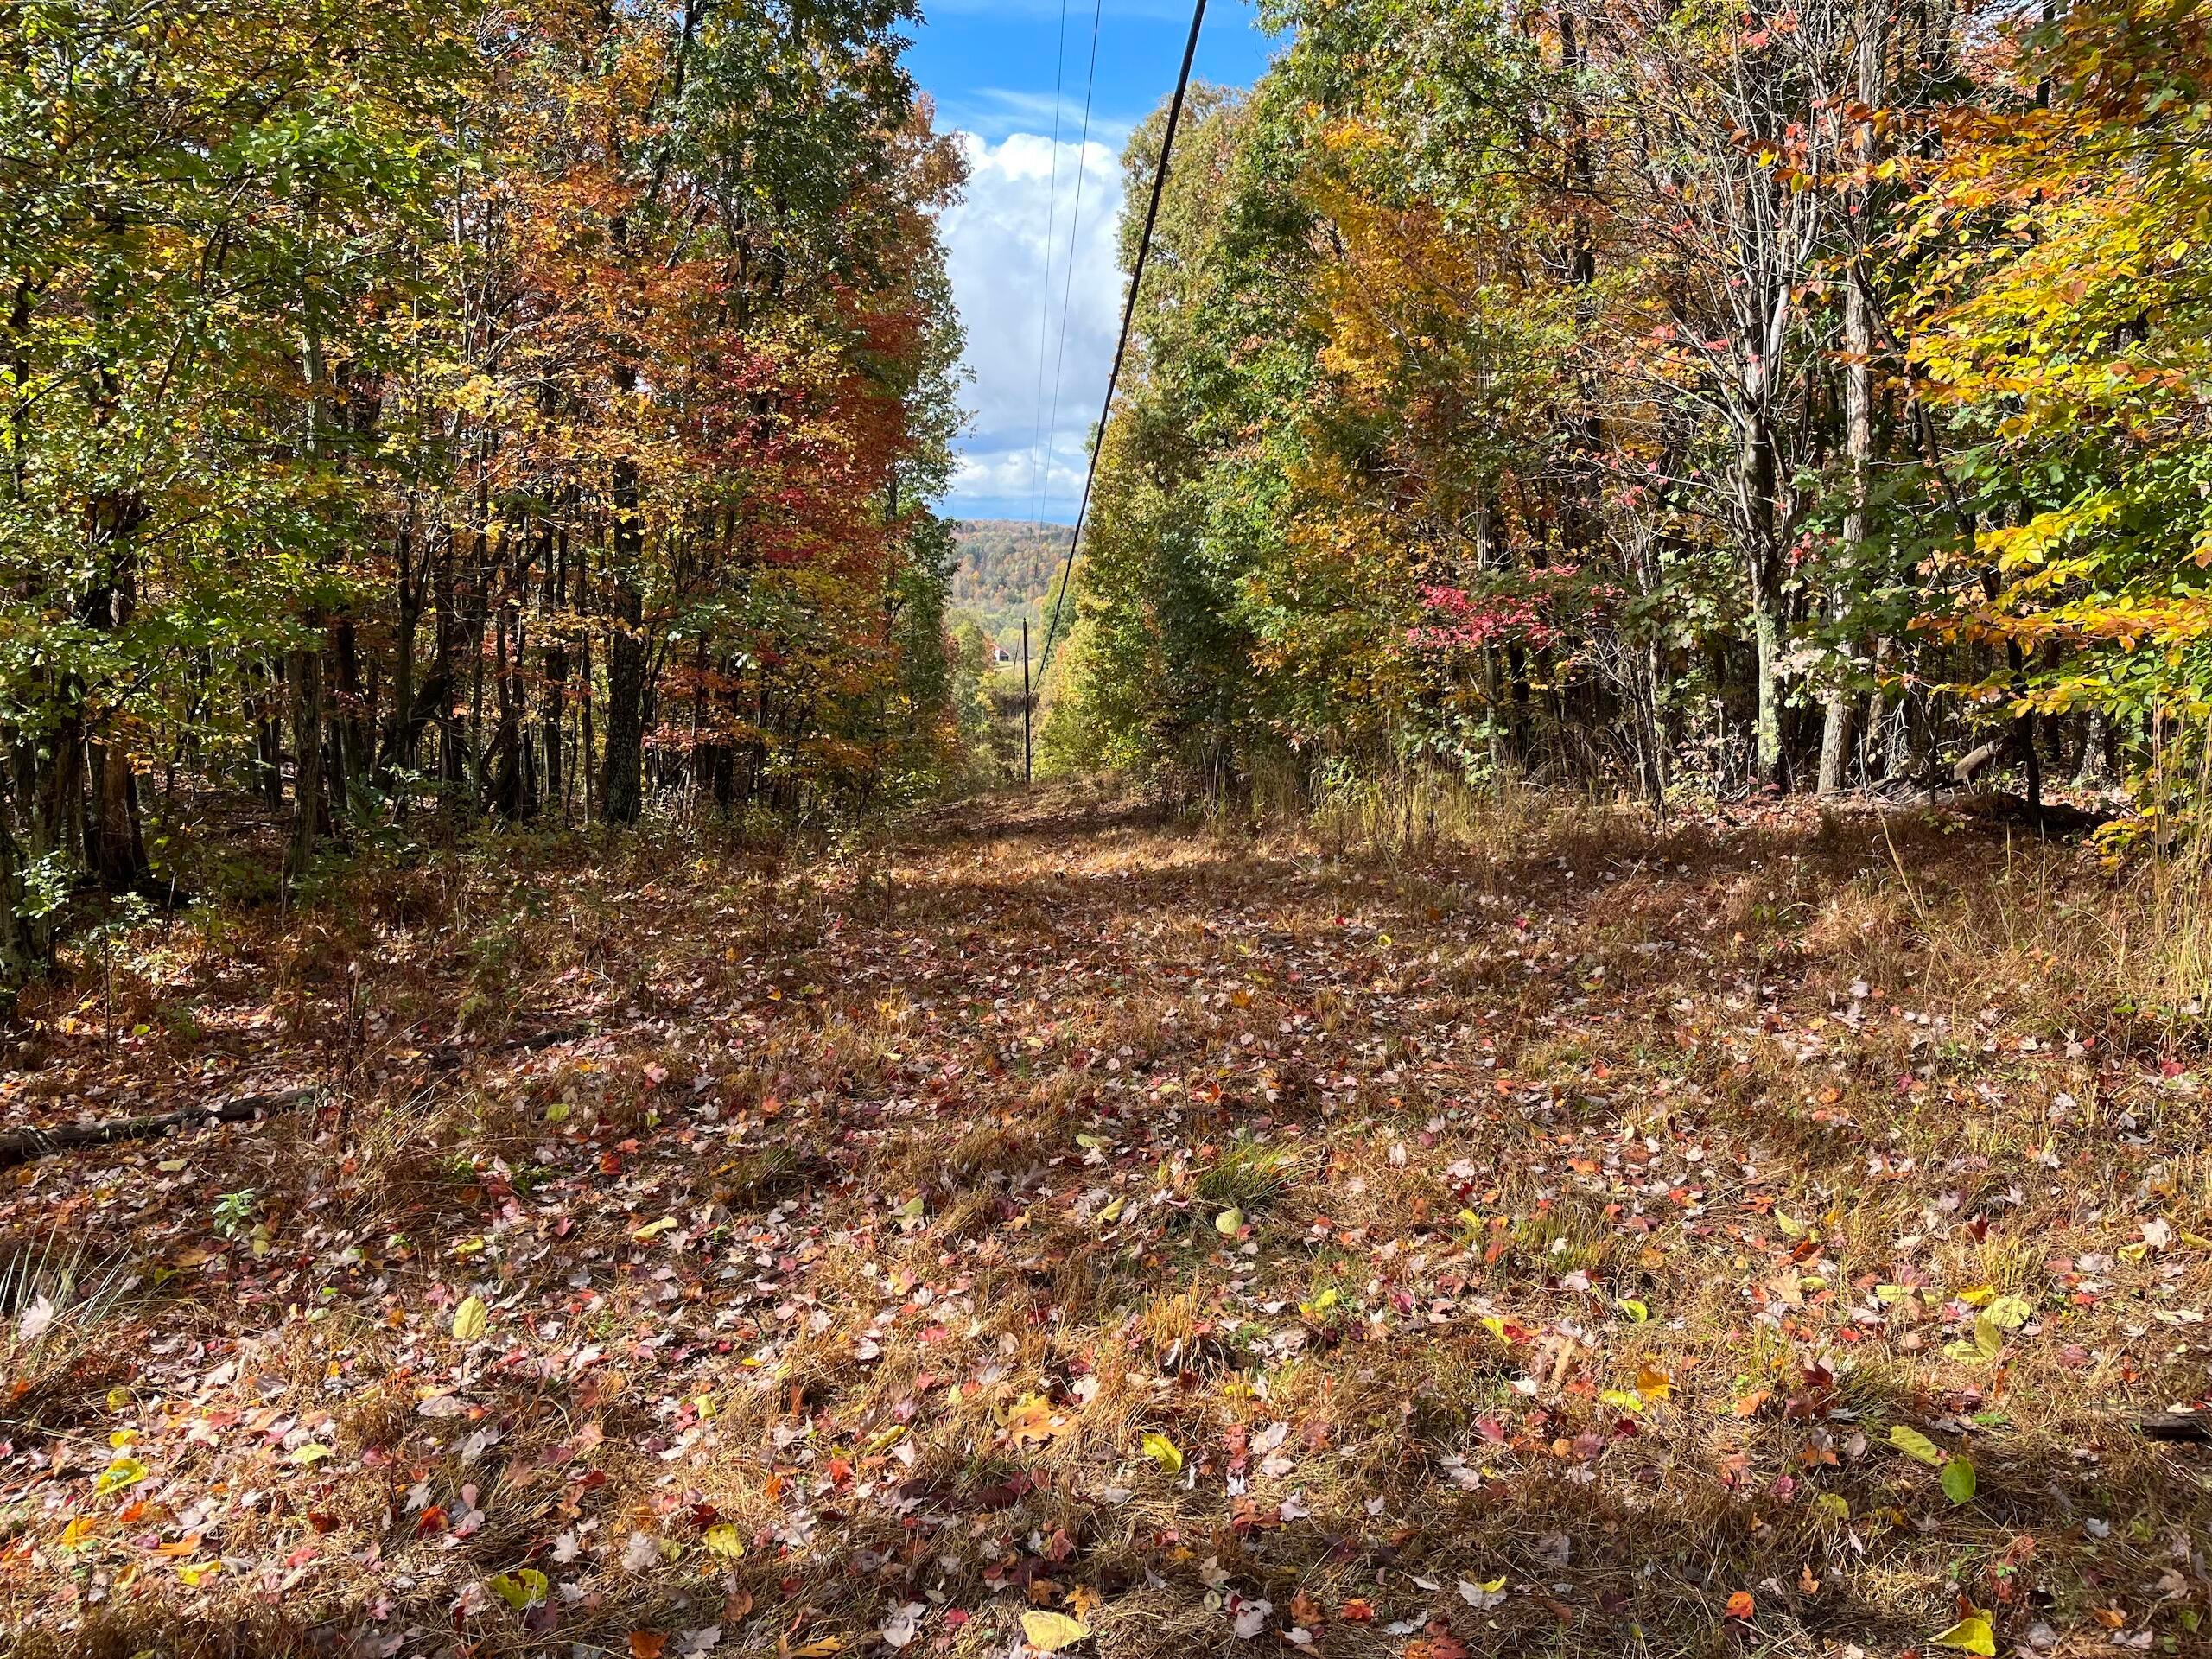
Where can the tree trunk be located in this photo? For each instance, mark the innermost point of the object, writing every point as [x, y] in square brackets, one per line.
[305, 677]
[622, 790]
[1756, 485]
[1842, 711]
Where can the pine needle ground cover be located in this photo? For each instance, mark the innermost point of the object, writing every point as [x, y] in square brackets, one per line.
[1067, 1230]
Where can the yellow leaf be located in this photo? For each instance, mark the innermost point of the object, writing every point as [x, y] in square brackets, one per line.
[310, 1453]
[190, 1574]
[1228, 1221]
[655, 1229]
[1165, 1452]
[1320, 1304]
[1112, 1213]
[1050, 1632]
[1971, 1635]
[123, 1471]
[1916, 1446]
[77, 1531]
[470, 1320]
[725, 1541]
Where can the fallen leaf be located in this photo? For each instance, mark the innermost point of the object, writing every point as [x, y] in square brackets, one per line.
[123, 1471]
[1050, 1632]
[1958, 1480]
[1916, 1446]
[1971, 1635]
[470, 1320]
[525, 1587]
[37, 1318]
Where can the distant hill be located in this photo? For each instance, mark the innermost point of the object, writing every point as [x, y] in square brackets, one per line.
[1007, 568]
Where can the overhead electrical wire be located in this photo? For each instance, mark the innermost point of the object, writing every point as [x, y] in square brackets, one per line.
[1037, 454]
[1074, 227]
[1129, 316]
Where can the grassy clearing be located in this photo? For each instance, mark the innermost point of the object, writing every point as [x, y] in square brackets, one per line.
[1527, 1242]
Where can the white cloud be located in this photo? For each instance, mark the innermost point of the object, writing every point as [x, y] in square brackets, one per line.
[1001, 112]
[995, 242]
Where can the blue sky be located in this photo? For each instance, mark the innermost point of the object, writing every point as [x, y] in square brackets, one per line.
[989, 65]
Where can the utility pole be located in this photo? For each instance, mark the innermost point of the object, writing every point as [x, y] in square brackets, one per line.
[1025, 700]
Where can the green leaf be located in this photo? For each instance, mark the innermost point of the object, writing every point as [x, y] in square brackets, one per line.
[1636, 1311]
[1958, 1480]
[1228, 1221]
[1916, 1446]
[525, 1588]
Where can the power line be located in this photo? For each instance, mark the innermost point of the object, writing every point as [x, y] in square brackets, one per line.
[1129, 316]
[1075, 226]
[1038, 455]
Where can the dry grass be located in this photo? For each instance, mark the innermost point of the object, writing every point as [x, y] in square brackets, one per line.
[1543, 1199]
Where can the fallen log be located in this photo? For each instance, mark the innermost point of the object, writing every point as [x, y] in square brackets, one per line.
[25, 1144]
[2195, 1426]
[28, 1144]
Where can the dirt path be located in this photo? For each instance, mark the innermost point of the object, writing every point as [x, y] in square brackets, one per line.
[1062, 1213]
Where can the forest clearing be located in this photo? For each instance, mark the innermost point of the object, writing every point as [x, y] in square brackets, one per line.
[1067, 1219]
[1481, 923]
